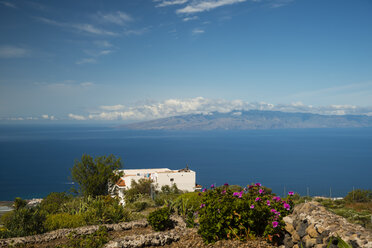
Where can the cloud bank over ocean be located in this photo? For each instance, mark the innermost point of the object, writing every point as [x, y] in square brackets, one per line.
[198, 105]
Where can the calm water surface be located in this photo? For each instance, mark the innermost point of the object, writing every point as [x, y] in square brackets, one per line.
[36, 160]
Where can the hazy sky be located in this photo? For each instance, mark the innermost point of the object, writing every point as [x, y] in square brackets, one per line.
[143, 59]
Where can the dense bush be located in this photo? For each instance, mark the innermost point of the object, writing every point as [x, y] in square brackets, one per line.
[160, 220]
[95, 240]
[23, 220]
[63, 220]
[225, 214]
[53, 202]
[138, 190]
[105, 210]
[359, 195]
[187, 205]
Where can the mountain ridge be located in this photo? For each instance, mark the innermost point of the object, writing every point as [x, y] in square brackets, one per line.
[252, 119]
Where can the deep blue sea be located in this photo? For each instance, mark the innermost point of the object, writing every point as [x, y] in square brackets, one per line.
[36, 160]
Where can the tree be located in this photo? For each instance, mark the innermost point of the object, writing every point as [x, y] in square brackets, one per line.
[94, 175]
[359, 195]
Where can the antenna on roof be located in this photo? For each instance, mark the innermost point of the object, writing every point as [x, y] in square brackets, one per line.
[187, 167]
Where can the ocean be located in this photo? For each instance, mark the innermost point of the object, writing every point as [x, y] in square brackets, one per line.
[36, 159]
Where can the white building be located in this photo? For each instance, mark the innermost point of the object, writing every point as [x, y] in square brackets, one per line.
[184, 179]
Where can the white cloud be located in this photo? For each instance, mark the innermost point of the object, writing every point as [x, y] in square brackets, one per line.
[8, 51]
[197, 31]
[8, 4]
[81, 27]
[48, 117]
[103, 43]
[112, 107]
[118, 17]
[88, 28]
[166, 3]
[205, 5]
[86, 84]
[76, 117]
[200, 105]
[136, 31]
[66, 84]
[86, 61]
[191, 18]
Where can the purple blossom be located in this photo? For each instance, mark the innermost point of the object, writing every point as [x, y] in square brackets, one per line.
[275, 224]
[240, 194]
[204, 190]
[250, 186]
[235, 193]
[202, 206]
[258, 199]
[261, 191]
[287, 206]
[226, 184]
[290, 193]
[258, 184]
[276, 198]
[212, 186]
[223, 192]
[273, 211]
[268, 203]
[252, 206]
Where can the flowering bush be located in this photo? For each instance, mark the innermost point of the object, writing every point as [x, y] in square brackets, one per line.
[225, 214]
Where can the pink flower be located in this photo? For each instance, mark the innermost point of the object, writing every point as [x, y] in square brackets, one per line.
[250, 186]
[226, 184]
[223, 192]
[290, 193]
[202, 206]
[287, 206]
[258, 184]
[204, 190]
[268, 203]
[258, 199]
[276, 198]
[261, 191]
[275, 224]
[235, 193]
[252, 206]
[240, 194]
[212, 186]
[273, 211]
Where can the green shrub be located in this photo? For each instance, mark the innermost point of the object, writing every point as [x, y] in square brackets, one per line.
[105, 210]
[24, 221]
[160, 220]
[53, 202]
[186, 205]
[225, 214]
[138, 190]
[4, 233]
[95, 240]
[97, 210]
[359, 195]
[63, 220]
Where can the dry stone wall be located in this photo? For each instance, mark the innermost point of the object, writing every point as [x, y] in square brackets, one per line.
[62, 233]
[312, 225]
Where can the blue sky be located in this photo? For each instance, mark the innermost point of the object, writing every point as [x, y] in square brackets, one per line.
[142, 59]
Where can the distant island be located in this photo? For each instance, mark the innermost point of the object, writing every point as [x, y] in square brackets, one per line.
[253, 119]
